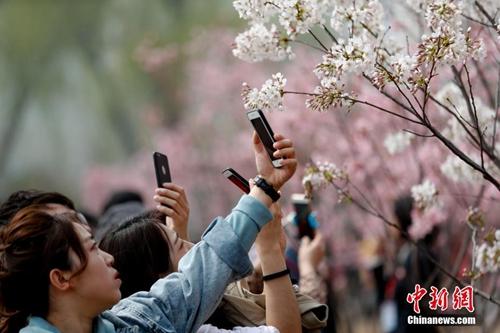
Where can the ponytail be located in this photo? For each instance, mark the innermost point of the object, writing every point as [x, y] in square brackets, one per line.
[13, 322]
[31, 245]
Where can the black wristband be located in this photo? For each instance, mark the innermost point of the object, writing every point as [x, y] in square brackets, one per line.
[268, 189]
[276, 275]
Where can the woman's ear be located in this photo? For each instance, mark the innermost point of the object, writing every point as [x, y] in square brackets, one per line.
[59, 279]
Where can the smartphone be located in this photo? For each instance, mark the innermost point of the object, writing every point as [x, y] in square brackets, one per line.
[237, 179]
[161, 169]
[265, 134]
[302, 207]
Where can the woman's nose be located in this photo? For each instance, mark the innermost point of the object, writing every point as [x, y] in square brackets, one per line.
[108, 258]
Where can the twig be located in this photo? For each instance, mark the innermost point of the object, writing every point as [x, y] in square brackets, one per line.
[457, 112]
[479, 22]
[307, 44]
[478, 127]
[299, 93]
[485, 13]
[382, 109]
[413, 110]
[484, 82]
[453, 148]
[392, 98]
[493, 141]
[418, 134]
[427, 83]
[423, 250]
[330, 34]
[317, 39]
[463, 90]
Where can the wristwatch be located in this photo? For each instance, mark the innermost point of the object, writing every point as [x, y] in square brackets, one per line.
[267, 188]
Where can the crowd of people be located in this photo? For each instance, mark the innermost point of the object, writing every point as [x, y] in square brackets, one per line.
[134, 269]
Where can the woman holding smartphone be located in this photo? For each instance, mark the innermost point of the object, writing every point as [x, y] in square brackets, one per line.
[145, 249]
[54, 278]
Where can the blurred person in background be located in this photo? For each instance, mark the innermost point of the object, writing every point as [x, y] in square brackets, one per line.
[119, 206]
[54, 202]
[397, 279]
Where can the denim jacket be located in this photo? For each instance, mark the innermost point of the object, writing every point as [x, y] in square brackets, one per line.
[183, 301]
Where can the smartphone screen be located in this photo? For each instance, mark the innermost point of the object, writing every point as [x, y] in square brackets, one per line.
[265, 134]
[162, 169]
[237, 179]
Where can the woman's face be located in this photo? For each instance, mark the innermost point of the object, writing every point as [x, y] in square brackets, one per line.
[99, 283]
[178, 246]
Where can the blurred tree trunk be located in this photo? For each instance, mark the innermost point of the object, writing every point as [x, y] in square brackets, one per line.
[12, 125]
[114, 106]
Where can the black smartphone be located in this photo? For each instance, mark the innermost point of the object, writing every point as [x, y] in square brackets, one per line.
[161, 169]
[265, 134]
[237, 179]
[302, 207]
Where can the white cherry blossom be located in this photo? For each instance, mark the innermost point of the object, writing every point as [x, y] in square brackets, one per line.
[425, 195]
[260, 43]
[397, 142]
[268, 98]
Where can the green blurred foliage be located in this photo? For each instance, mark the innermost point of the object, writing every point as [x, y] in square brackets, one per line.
[71, 90]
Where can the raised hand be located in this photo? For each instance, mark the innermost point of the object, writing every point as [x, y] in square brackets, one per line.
[285, 150]
[173, 203]
[311, 252]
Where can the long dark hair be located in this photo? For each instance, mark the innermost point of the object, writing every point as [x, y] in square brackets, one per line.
[31, 245]
[141, 250]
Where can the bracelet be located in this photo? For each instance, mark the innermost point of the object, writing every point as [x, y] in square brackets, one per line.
[267, 188]
[276, 275]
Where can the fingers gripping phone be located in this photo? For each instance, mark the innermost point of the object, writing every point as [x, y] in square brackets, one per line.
[265, 134]
[161, 169]
[237, 179]
[302, 207]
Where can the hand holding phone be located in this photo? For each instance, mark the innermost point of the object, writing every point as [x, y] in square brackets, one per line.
[302, 207]
[236, 179]
[265, 133]
[162, 169]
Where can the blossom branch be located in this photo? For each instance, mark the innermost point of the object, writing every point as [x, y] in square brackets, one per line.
[413, 110]
[484, 145]
[392, 98]
[423, 250]
[459, 153]
[427, 83]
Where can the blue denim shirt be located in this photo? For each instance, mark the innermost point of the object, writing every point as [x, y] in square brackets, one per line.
[183, 301]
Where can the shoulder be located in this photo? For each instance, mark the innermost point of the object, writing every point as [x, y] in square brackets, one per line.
[38, 325]
[260, 329]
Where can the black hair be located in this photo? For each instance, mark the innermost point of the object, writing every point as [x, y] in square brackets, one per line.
[24, 198]
[120, 197]
[141, 250]
[31, 245]
[402, 209]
